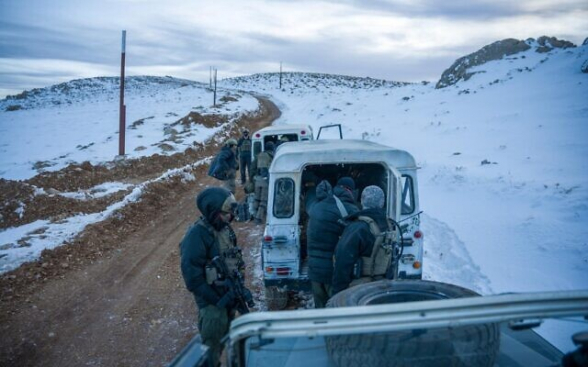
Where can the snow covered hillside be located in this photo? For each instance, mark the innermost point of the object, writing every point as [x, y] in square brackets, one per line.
[503, 151]
[49, 128]
[504, 157]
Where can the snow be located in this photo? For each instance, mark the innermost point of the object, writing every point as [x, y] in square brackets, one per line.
[97, 191]
[79, 122]
[25, 243]
[516, 223]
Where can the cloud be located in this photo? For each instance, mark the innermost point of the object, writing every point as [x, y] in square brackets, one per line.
[399, 40]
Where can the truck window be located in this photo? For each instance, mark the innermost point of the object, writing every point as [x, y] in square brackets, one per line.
[284, 198]
[256, 148]
[407, 195]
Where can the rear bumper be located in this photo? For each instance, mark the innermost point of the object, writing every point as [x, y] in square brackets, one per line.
[403, 275]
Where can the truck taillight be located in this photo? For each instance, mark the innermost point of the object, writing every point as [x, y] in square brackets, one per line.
[303, 132]
[268, 239]
[269, 269]
[418, 234]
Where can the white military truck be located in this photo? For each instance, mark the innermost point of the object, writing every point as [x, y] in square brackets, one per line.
[296, 168]
[391, 323]
[278, 134]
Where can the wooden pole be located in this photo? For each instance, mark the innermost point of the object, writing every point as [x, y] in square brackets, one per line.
[280, 75]
[215, 71]
[122, 109]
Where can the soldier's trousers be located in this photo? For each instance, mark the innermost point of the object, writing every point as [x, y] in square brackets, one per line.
[261, 193]
[321, 292]
[213, 324]
[244, 164]
[229, 183]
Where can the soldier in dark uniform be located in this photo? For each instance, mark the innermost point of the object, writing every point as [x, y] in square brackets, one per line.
[260, 169]
[323, 232]
[209, 237]
[244, 153]
[360, 244]
[224, 166]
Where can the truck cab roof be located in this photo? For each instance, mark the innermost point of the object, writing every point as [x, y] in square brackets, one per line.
[294, 156]
[279, 129]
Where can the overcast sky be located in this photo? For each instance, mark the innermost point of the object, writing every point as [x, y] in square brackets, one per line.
[45, 42]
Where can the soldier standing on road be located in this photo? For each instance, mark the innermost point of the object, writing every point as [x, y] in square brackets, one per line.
[260, 168]
[358, 248]
[224, 166]
[209, 237]
[324, 230]
[244, 153]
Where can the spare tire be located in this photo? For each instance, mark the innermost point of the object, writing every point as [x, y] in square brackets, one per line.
[471, 345]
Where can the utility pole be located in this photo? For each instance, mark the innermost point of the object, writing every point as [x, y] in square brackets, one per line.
[122, 112]
[215, 71]
[280, 75]
[210, 77]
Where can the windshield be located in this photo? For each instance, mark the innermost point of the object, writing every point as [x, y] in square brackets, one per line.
[474, 345]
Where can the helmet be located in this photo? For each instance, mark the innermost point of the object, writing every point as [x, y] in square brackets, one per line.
[245, 130]
[231, 142]
[284, 138]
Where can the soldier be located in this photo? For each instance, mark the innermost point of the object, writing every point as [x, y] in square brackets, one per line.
[360, 247]
[244, 153]
[324, 229]
[225, 166]
[260, 168]
[209, 237]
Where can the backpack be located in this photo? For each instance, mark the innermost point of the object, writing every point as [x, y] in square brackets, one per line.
[242, 213]
[385, 251]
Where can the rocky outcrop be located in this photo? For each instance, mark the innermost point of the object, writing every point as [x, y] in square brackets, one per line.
[547, 44]
[495, 51]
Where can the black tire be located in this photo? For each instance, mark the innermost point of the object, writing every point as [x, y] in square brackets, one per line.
[472, 345]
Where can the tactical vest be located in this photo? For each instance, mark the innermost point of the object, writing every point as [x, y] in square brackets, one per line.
[376, 265]
[245, 146]
[264, 161]
[225, 241]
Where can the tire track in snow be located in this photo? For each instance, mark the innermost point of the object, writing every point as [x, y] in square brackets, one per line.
[446, 258]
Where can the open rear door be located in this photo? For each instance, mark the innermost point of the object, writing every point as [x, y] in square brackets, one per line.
[326, 127]
[394, 194]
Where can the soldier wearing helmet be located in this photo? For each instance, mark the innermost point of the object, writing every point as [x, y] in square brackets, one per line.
[224, 166]
[244, 154]
[209, 237]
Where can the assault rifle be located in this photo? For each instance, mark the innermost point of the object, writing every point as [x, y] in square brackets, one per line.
[234, 282]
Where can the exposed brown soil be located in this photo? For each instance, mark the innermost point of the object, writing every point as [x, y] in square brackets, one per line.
[114, 296]
[85, 175]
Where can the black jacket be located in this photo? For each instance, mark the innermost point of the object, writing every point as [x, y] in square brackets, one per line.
[356, 241]
[324, 229]
[224, 162]
[199, 246]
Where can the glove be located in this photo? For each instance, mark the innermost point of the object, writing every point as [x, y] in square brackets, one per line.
[226, 301]
[248, 297]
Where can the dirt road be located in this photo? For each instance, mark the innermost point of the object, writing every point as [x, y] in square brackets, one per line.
[126, 305]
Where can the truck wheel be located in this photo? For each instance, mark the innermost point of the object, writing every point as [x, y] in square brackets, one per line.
[276, 298]
[471, 345]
